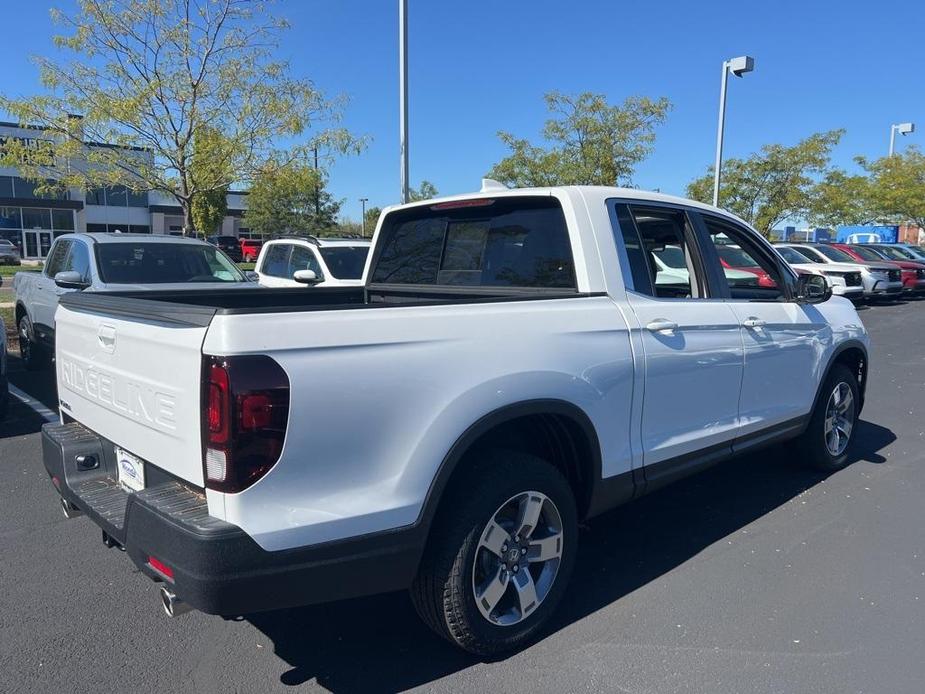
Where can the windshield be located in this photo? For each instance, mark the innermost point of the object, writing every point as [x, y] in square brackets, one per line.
[891, 252]
[792, 255]
[867, 253]
[736, 257]
[161, 263]
[914, 251]
[834, 254]
[345, 262]
[673, 257]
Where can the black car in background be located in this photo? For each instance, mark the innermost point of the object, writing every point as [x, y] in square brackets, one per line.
[229, 244]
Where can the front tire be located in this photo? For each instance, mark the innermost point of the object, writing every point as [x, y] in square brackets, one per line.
[500, 554]
[32, 354]
[830, 432]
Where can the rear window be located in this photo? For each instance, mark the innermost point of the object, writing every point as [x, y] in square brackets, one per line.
[345, 262]
[160, 263]
[507, 242]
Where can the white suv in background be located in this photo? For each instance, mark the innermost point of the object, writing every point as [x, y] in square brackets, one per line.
[318, 262]
[880, 279]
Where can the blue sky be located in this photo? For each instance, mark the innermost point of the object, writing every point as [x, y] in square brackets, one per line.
[477, 67]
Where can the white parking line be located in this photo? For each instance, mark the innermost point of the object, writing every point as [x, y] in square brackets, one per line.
[37, 407]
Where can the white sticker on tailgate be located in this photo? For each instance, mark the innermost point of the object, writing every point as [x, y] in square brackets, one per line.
[131, 471]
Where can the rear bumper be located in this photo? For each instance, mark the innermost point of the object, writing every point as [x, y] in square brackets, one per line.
[217, 568]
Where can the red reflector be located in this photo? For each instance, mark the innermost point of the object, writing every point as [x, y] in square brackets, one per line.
[478, 202]
[160, 567]
[255, 411]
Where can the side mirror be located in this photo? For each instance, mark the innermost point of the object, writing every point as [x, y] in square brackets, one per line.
[251, 276]
[306, 277]
[813, 289]
[70, 279]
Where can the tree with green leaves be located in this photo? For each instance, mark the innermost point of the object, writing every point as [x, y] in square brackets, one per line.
[210, 161]
[290, 198]
[425, 191]
[897, 186]
[587, 141]
[148, 76]
[772, 185]
[841, 198]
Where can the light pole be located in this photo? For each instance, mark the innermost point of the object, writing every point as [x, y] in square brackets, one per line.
[363, 202]
[738, 67]
[403, 93]
[902, 129]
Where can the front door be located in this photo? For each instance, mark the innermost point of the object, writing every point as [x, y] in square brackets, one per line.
[691, 343]
[782, 339]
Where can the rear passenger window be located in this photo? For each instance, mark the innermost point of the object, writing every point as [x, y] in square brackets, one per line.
[276, 262]
[661, 252]
[505, 242]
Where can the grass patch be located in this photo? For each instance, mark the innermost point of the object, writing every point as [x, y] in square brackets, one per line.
[247, 266]
[10, 270]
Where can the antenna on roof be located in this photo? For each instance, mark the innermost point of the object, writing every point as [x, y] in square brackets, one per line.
[490, 184]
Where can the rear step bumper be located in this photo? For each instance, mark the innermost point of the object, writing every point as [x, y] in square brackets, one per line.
[217, 567]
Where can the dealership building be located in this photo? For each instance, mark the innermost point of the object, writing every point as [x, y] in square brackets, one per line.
[32, 221]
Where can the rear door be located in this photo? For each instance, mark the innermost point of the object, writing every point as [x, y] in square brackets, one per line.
[691, 342]
[782, 339]
[135, 382]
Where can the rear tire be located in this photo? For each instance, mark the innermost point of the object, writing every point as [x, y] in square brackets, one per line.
[500, 554]
[831, 428]
[33, 355]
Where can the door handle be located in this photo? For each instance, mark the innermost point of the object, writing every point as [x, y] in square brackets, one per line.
[661, 325]
[752, 322]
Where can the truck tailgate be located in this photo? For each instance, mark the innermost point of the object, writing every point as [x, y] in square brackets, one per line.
[136, 381]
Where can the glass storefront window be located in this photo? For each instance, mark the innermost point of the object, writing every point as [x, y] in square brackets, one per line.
[96, 196]
[115, 196]
[36, 219]
[62, 220]
[10, 218]
[137, 199]
[6, 187]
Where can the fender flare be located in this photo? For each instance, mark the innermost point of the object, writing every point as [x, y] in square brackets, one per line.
[836, 353]
[486, 423]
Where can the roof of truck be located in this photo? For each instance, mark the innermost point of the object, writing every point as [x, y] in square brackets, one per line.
[112, 237]
[494, 190]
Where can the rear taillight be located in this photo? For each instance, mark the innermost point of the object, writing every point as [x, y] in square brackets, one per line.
[245, 414]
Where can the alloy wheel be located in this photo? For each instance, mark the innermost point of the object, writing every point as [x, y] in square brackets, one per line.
[518, 558]
[839, 419]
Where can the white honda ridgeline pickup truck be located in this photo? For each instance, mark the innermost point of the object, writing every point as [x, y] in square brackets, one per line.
[511, 367]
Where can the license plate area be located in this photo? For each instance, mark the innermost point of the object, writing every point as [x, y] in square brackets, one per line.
[131, 470]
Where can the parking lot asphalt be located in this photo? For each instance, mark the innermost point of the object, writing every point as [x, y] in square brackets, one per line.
[755, 576]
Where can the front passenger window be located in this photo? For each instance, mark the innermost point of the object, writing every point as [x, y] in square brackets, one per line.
[751, 274]
[303, 259]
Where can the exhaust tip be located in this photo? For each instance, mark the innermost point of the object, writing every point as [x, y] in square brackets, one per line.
[172, 605]
[69, 510]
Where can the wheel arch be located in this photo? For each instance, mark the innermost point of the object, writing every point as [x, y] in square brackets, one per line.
[560, 427]
[853, 354]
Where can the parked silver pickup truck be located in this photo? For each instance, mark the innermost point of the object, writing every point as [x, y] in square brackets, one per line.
[107, 262]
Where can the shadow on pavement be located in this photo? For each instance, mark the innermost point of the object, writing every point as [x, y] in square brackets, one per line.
[40, 385]
[378, 644]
